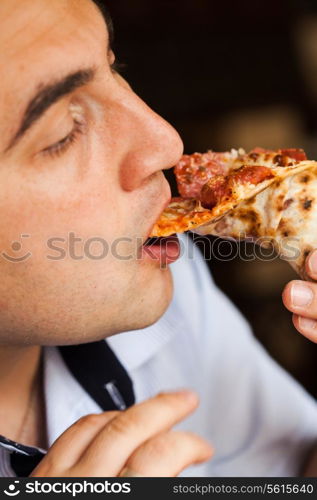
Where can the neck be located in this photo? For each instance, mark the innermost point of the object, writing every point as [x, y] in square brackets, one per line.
[21, 394]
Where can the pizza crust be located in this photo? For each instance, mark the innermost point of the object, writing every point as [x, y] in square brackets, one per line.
[181, 215]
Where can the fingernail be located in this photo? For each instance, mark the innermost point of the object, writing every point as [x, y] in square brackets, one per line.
[312, 263]
[307, 323]
[301, 295]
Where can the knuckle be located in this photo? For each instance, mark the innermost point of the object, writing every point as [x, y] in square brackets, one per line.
[169, 453]
[151, 454]
[159, 447]
[89, 420]
[95, 419]
[124, 423]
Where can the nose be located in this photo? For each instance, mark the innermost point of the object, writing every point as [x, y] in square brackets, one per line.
[152, 144]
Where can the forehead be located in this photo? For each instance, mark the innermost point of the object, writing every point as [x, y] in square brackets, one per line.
[33, 30]
[34, 24]
[42, 40]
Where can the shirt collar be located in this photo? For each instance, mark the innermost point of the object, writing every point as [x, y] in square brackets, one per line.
[65, 399]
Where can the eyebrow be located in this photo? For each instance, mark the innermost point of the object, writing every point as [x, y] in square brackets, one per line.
[48, 95]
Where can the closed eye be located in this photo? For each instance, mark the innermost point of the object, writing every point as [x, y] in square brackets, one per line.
[60, 147]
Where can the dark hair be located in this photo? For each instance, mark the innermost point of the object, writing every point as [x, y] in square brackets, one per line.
[103, 9]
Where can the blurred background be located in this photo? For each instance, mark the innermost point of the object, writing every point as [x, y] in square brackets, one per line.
[233, 74]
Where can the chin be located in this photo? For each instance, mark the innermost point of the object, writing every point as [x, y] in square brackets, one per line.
[153, 302]
[141, 306]
[144, 309]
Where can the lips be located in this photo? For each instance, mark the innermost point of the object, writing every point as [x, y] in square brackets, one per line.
[165, 251]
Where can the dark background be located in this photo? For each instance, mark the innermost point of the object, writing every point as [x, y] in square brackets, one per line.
[233, 74]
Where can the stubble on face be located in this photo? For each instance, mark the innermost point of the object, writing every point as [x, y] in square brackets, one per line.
[51, 302]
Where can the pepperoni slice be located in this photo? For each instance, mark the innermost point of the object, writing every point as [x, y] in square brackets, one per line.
[221, 188]
[216, 190]
[193, 171]
[296, 154]
[253, 174]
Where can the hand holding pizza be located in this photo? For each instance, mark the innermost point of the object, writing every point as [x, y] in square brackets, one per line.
[300, 297]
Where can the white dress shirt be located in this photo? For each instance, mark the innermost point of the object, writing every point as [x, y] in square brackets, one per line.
[260, 421]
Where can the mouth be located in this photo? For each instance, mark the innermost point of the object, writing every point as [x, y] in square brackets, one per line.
[165, 251]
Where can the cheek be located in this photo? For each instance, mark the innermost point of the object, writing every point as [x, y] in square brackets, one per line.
[85, 240]
[61, 286]
[86, 213]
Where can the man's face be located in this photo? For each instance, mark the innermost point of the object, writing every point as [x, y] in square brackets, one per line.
[85, 164]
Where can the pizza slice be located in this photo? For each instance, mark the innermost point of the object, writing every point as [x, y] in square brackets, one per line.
[212, 184]
[267, 195]
[283, 216]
